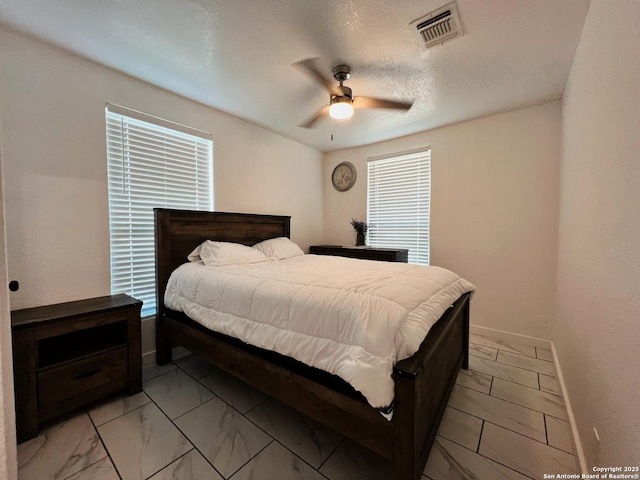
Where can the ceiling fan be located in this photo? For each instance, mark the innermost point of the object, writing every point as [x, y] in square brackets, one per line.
[341, 100]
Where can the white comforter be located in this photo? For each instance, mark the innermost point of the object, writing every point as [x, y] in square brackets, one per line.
[352, 318]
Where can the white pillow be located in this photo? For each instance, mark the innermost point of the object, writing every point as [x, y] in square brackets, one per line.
[280, 248]
[225, 253]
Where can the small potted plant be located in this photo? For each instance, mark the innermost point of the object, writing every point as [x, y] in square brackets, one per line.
[361, 229]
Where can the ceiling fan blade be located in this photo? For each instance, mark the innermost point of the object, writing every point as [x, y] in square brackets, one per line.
[324, 111]
[370, 102]
[310, 67]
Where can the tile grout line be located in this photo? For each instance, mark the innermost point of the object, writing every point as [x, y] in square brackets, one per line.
[480, 437]
[185, 371]
[187, 438]
[543, 359]
[302, 459]
[520, 405]
[513, 350]
[329, 456]
[558, 448]
[497, 398]
[273, 439]
[191, 409]
[507, 401]
[535, 389]
[248, 461]
[488, 458]
[168, 418]
[214, 393]
[507, 365]
[546, 430]
[529, 438]
[104, 445]
[254, 407]
[160, 374]
[510, 467]
[466, 413]
[538, 388]
[171, 463]
[524, 368]
[234, 409]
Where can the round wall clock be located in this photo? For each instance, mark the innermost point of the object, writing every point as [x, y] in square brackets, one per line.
[343, 176]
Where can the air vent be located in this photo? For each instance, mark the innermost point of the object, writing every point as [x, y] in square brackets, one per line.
[438, 26]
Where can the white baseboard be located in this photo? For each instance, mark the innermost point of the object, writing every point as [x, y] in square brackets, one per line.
[514, 337]
[572, 420]
[149, 358]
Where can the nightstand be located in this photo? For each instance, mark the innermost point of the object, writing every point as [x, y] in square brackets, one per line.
[70, 354]
[365, 253]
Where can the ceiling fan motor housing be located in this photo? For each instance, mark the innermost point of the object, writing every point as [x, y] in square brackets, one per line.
[341, 72]
[346, 94]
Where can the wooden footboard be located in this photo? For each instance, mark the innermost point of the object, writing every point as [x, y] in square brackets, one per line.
[423, 382]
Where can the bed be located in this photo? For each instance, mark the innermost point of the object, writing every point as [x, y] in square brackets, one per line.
[421, 394]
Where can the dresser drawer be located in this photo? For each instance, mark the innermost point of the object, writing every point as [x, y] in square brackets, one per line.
[60, 383]
[365, 253]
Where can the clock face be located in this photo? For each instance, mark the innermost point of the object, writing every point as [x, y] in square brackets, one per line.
[343, 176]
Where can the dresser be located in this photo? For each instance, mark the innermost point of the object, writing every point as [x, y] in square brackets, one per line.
[70, 354]
[365, 253]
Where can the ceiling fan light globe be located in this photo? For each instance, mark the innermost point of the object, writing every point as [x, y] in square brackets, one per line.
[341, 110]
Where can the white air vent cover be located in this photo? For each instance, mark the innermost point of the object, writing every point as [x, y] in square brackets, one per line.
[438, 26]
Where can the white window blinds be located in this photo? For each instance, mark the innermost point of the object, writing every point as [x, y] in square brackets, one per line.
[398, 197]
[150, 165]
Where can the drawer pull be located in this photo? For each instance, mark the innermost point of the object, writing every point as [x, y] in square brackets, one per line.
[87, 375]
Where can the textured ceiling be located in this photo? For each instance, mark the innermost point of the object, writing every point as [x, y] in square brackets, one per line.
[237, 56]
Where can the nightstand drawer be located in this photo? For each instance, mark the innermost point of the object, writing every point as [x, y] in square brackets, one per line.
[60, 383]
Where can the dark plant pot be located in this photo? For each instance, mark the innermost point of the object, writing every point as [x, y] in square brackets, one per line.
[359, 239]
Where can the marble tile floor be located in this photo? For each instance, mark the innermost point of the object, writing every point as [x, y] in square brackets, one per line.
[505, 420]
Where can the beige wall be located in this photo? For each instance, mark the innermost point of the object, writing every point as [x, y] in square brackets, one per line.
[598, 301]
[494, 209]
[52, 106]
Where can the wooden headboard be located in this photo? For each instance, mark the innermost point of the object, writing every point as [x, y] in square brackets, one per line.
[178, 232]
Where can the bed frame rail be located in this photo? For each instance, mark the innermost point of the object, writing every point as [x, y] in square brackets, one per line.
[300, 387]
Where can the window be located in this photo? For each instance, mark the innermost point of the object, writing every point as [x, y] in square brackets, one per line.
[151, 163]
[398, 198]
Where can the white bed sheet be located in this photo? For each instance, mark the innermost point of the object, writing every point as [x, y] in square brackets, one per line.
[352, 318]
